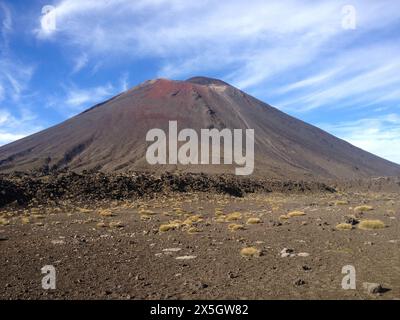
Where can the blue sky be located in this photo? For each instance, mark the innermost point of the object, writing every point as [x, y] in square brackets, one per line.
[299, 56]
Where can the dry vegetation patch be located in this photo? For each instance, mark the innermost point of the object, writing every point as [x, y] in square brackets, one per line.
[250, 252]
[344, 226]
[296, 214]
[253, 221]
[235, 227]
[233, 216]
[371, 224]
[363, 208]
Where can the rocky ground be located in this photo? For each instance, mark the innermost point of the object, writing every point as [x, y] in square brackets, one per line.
[189, 245]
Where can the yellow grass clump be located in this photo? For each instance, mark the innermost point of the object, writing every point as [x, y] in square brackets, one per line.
[341, 202]
[220, 219]
[176, 223]
[170, 226]
[4, 222]
[233, 216]
[253, 221]
[344, 226]
[106, 213]
[179, 211]
[116, 224]
[166, 227]
[296, 214]
[25, 220]
[193, 230]
[250, 252]
[363, 208]
[235, 227]
[101, 225]
[192, 219]
[371, 224]
[283, 217]
[84, 210]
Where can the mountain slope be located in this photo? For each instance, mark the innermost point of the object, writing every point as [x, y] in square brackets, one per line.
[111, 136]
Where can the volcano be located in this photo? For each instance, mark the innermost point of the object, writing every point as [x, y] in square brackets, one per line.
[111, 136]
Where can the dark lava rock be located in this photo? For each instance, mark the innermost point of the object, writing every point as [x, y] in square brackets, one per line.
[50, 187]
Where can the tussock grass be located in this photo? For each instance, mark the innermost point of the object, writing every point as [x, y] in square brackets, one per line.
[341, 202]
[283, 217]
[179, 211]
[101, 225]
[363, 208]
[344, 226]
[253, 221]
[166, 227]
[4, 222]
[233, 216]
[106, 213]
[250, 252]
[371, 224]
[116, 224]
[192, 219]
[38, 216]
[176, 223]
[220, 219]
[296, 214]
[170, 226]
[25, 220]
[84, 210]
[194, 230]
[235, 227]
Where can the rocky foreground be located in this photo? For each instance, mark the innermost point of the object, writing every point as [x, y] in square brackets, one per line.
[196, 237]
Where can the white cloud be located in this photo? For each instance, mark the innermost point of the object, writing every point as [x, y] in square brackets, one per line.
[355, 78]
[6, 24]
[14, 78]
[1, 93]
[80, 63]
[380, 135]
[78, 98]
[262, 41]
[124, 81]
[16, 127]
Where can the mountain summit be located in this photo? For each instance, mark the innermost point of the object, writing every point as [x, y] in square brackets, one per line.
[111, 136]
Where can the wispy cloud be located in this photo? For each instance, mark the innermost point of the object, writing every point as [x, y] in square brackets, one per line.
[6, 25]
[124, 82]
[261, 42]
[80, 63]
[14, 77]
[380, 135]
[78, 98]
[16, 127]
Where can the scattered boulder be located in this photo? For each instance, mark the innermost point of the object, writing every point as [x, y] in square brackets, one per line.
[299, 282]
[373, 288]
[351, 220]
[286, 252]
